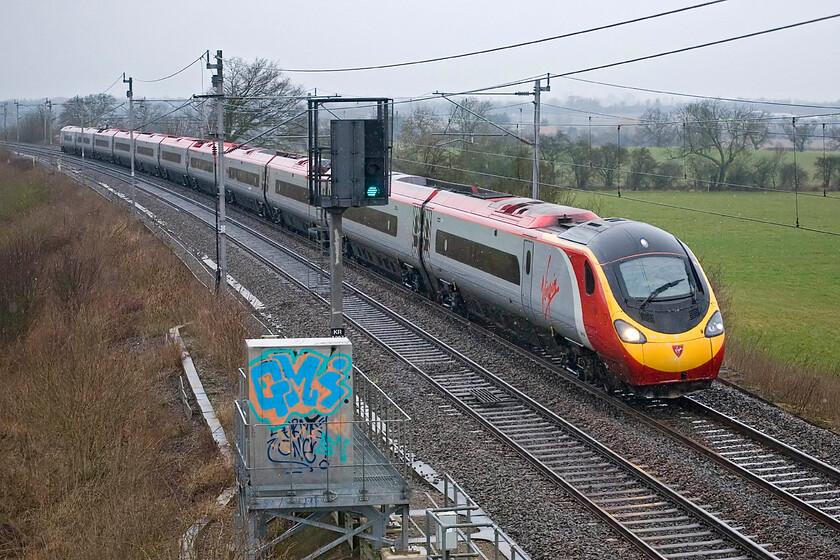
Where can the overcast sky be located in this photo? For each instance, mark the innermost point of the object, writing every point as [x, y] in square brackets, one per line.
[59, 49]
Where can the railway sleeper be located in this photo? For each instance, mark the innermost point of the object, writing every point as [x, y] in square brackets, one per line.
[685, 527]
[697, 544]
[625, 500]
[660, 522]
[636, 490]
[649, 506]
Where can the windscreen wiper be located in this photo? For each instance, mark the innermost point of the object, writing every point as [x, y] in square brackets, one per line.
[659, 290]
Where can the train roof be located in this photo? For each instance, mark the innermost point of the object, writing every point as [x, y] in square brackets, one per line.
[512, 210]
[257, 156]
[611, 239]
[179, 141]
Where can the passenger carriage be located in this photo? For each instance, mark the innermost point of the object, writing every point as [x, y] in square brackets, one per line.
[103, 144]
[122, 147]
[67, 138]
[174, 158]
[147, 152]
[245, 169]
[287, 192]
[202, 165]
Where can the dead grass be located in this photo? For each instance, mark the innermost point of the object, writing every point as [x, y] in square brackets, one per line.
[808, 393]
[805, 391]
[97, 457]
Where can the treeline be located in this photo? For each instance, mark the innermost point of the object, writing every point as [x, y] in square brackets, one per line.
[707, 145]
[262, 105]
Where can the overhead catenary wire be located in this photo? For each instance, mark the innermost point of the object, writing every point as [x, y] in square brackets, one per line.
[175, 110]
[265, 132]
[629, 121]
[505, 47]
[201, 57]
[120, 77]
[697, 96]
[658, 55]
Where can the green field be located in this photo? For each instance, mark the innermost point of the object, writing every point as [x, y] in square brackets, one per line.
[783, 282]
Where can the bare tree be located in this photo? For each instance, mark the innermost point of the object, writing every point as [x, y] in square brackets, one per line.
[832, 135]
[657, 128]
[95, 110]
[642, 168]
[578, 154]
[148, 116]
[36, 124]
[418, 141]
[720, 134]
[552, 149]
[607, 159]
[801, 135]
[259, 99]
[827, 168]
[31, 127]
[470, 117]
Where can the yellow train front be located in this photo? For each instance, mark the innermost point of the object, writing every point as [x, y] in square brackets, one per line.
[662, 331]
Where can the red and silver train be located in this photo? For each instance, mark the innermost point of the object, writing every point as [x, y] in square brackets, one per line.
[628, 302]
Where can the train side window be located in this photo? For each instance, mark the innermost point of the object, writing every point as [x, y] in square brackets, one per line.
[528, 262]
[589, 279]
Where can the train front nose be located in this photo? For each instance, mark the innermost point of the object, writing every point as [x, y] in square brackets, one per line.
[665, 365]
[681, 359]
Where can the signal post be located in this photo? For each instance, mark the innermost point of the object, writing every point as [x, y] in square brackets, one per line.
[358, 173]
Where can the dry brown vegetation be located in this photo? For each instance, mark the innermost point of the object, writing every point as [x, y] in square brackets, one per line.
[805, 391]
[808, 393]
[97, 459]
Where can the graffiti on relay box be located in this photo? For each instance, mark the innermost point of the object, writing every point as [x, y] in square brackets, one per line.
[286, 384]
[304, 445]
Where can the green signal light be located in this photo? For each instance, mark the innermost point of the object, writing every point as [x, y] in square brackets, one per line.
[372, 191]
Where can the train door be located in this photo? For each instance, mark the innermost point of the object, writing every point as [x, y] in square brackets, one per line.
[421, 236]
[527, 277]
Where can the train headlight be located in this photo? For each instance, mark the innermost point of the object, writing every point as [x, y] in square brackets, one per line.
[628, 333]
[715, 325]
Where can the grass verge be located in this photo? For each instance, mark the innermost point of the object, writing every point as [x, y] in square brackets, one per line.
[97, 457]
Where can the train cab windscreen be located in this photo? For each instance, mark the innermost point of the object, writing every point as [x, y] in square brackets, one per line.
[655, 278]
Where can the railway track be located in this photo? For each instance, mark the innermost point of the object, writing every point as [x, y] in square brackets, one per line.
[801, 480]
[658, 520]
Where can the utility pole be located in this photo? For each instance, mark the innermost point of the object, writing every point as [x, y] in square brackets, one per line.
[535, 188]
[47, 114]
[17, 119]
[130, 95]
[82, 164]
[5, 138]
[221, 275]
